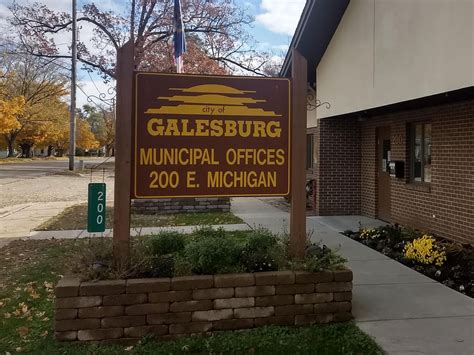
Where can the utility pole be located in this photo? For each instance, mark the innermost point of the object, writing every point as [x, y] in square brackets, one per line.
[72, 123]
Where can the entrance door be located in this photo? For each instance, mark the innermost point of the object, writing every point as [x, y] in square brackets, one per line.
[383, 173]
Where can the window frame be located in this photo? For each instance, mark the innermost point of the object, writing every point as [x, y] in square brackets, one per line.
[411, 151]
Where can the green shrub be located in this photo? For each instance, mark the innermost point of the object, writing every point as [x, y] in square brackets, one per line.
[319, 258]
[167, 242]
[209, 231]
[163, 266]
[212, 252]
[262, 252]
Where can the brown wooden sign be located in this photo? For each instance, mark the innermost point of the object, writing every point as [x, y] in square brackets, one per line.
[210, 136]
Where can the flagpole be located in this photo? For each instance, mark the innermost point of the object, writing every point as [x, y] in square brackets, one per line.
[179, 39]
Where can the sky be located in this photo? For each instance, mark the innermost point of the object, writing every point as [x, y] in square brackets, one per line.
[273, 28]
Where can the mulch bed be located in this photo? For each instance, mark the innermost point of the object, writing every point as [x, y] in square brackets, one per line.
[457, 272]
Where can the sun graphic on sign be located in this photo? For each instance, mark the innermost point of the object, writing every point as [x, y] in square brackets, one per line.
[208, 99]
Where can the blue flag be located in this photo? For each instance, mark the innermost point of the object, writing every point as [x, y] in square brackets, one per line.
[179, 40]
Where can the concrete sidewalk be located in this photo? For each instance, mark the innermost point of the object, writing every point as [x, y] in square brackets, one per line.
[80, 233]
[19, 220]
[405, 311]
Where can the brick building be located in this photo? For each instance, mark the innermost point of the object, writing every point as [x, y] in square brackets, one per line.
[396, 141]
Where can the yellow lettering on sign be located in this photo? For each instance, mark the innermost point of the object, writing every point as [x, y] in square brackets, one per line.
[241, 179]
[259, 129]
[213, 128]
[178, 156]
[186, 132]
[273, 129]
[230, 129]
[202, 128]
[146, 156]
[154, 127]
[216, 128]
[190, 179]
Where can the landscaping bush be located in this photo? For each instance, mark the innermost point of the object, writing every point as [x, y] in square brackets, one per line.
[319, 258]
[167, 242]
[163, 266]
[262, 252]
[211, 251]
[206, 251]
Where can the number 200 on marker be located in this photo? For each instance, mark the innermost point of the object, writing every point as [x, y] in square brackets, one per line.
[164, 179]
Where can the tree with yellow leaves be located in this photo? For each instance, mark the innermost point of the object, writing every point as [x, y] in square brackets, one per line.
[102, 122]
[39, 84]
[57, 127]
[10, 110]
[57, 131]
[85, 138]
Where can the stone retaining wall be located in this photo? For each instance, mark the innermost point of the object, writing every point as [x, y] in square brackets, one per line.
[177, 205]
[169, 308]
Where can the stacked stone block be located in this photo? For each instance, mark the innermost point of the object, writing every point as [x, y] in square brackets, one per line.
[181, 205]
[174, 307]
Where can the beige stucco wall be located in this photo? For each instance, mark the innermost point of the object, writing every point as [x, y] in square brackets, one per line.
[388, 51]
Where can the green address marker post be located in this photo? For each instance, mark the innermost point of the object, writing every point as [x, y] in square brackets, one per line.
[96, 208]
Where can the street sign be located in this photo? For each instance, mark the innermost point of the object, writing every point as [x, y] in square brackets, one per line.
[205, 136]
[96, 208]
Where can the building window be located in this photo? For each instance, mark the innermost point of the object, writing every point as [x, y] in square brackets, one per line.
[309, 151]
[420, 150]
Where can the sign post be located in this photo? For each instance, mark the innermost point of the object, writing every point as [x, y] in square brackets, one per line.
[96, 208]
[121, 233]
[298, 169]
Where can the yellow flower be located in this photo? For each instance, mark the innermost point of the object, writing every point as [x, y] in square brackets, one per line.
[369, 233]
[425, 250]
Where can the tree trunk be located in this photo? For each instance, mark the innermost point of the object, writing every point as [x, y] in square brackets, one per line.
[50, 150]
[11, 152]
[59, 152]
[25, 150]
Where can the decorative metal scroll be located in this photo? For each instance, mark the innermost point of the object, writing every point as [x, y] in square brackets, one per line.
[104, 98]
[313, 103]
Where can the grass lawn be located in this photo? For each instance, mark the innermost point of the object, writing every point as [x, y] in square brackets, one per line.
[29, 270]
[75, 217]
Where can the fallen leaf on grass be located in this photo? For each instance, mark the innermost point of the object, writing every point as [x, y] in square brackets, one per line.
[45, 333]
[23, 331]
[7, 315]
[39, 314]
[32, 291]
[129, 348]
[19, 349]
[21, 310]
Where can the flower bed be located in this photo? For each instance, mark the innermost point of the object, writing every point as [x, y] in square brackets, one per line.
[445, 261]
[178, 306]
[207, 251]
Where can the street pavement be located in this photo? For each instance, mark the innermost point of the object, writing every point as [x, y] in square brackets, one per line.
[33, 192]
[14, 172]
